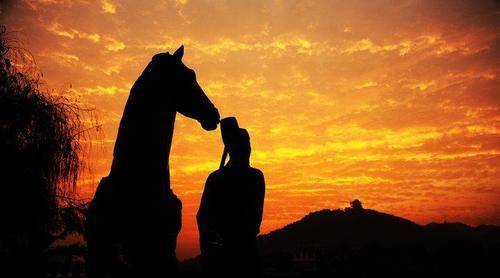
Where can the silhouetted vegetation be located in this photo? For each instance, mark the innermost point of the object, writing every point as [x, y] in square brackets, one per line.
[39, 135]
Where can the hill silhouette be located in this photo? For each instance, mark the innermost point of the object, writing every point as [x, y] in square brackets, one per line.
[359, 226]
[353, 226]
[364, 242]
[358, 242]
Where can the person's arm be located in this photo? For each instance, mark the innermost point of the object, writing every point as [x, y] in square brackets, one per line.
[261, 191]
[202, 215]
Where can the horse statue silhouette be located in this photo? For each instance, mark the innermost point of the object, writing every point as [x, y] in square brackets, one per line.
[134, 218]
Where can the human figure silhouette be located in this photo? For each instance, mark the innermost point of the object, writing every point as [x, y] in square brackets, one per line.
[230, 212]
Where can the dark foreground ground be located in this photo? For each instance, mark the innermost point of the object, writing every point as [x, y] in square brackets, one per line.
[355, 243]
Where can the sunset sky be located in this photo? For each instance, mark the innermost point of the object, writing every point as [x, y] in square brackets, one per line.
[396, 103]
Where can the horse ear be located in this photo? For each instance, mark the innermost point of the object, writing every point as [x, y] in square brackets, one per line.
[179, 53]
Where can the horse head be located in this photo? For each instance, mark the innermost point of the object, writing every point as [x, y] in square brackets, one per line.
[186, 95]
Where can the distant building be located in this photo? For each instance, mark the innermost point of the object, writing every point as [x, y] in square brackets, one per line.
[356, 204]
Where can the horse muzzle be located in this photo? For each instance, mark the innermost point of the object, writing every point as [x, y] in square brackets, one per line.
[211, 120]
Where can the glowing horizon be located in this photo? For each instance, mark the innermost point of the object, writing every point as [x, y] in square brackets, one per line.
[395, 103]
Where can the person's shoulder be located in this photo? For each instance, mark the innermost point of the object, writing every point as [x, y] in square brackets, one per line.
[256, 172]
[215, 174]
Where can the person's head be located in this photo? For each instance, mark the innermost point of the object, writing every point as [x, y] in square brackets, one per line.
[239, 150]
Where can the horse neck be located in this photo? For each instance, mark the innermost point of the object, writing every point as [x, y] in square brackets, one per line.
[143, 143]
